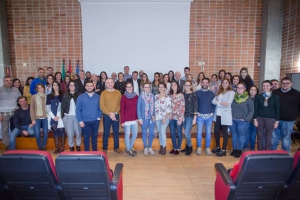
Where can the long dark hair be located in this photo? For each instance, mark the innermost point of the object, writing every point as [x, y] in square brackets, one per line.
[14, 80]
[27, 80]
[178, 88]
[173, 77]
[53, 78]
[60, 76]
[76, 86]
[101, 76]
[52, 95]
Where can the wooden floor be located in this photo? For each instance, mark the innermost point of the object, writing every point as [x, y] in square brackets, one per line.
[170, 177]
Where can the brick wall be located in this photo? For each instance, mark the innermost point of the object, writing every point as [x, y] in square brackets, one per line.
[225, 35]
[290, 55]
[42, 33]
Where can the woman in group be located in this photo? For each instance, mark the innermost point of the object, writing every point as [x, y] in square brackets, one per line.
[103, 77]
[129, 118]
[68, 109]
[266, 115]
[17, 84]
[176, 117]
[252, 131]
[242, 113]
[214, 84]
[200, 77]
[194, 85]
[190, 115]
[144, 80]
[120, 83]
[58, 77]
[222, 116]
[38, 115]
[171, 76]
[75, 76]
[155, 83]
[54, 117]
[228, 75]
[65, 84]
[146, 116]
[96, 83]
[26, 90]
[245, 78]
[50, 79]
[168, 84]
[221, 73]
[235, 80]
[162, 115]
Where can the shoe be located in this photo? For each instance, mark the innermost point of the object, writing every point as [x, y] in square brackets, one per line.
[105, 151]
[176, 152]
[133, 151]
[78, 148]
[151, 151]
[62, 141]
[56, 143]
[71, 148]
[145, 151]
[238, 153]
[185, 149]
[172, 151]
[207, 151]
[164, 151]
[118, 151]
[199, 150]
[160, 149]
[6, 148]
[40, 148]
[233, 152]
[44, 148]
[130, 153]
[221, 153]
[216, 150]
[189, 151]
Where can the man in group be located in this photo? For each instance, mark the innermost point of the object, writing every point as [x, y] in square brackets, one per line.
[68, 73]
[141, 72]
[275, 84]
[289, 102]
[39, 79]
[49, 71]
[89, 114]
[114, 76]
[136, 83]
[126, 73]
[22, 122]
[180, 81]
[8, 104]
[186, 73]
[81, 82]
[110, 106]
[88, 76]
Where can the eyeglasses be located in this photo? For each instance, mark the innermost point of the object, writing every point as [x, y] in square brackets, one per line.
[187, 85]
[241, 88]
[146, 87]
[285, 83]
[129, 87]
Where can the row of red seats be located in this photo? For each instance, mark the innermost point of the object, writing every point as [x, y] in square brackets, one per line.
[260, 175]
[32, 175]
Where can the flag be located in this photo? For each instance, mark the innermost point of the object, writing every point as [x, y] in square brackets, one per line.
[70, 67]
[77, 67]
[63, 71]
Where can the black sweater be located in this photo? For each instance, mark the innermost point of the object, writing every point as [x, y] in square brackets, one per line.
[22, 118]
[270, 111]
[289, 104]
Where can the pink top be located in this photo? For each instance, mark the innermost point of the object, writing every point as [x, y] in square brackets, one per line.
[128, 109]
[178, 107]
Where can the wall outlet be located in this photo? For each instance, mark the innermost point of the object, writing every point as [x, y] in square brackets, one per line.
[24, 64]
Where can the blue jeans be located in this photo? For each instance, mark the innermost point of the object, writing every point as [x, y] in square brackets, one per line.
[147, 123]
[175, 128]
[107, 123]
[200, 122]
[129, 142]
[161, 128]
[16, 132]
[239, 133]
[283, 131]
[188, 122]
[251, 137]
[90, 129]
[44, 124]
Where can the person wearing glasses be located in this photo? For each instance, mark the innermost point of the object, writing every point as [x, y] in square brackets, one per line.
[289, 101]
[155, 83]
[242, 113]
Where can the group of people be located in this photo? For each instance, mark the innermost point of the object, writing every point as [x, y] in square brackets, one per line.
[76, 105]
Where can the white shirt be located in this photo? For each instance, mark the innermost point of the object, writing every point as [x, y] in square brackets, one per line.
[136, 86]
[72, 108]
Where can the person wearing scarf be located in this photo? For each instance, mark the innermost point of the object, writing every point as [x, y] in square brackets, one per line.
[146, 116]
[129, 118]
[242, 113]
[266, 115]
[38, 115]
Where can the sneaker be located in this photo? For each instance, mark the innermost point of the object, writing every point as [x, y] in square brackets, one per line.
[176, 152]
[172, 151]
[151, 151]
[199, 150]
[145, 151]
[207, 151]
[130, 153]
[133, 151]
[118, 151]
[216, 150]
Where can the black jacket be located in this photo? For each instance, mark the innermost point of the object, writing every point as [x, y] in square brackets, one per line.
[129, 80]
[81, 87]
[65, 103]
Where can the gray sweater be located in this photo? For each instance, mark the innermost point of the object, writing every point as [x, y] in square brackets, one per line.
[243, 110]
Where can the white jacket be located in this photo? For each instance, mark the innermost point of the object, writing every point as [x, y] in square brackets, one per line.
[226, 114]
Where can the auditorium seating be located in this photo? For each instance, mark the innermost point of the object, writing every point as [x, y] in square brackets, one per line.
[87, 175]
[258, 175]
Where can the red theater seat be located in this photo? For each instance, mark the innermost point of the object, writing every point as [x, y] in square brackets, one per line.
[30, 175]
[87, 175]
[258, 175]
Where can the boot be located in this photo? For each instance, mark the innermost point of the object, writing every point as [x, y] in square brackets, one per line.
[164, 150]
[78, 148]
[233, 152]
[189, 150]
[160, 149]
[185, 149]
[216, 150]
[221, 153]
[62, 140]
[71, 148]
[56, 143]
[238, 153]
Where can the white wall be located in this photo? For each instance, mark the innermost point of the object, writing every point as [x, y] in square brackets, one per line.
[153, 36]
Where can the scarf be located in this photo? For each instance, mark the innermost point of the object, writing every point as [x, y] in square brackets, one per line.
[149, 104]
[240, 98]
[39, 104]
[130, 95]
[266, 95]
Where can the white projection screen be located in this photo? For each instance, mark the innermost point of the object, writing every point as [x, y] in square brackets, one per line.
[148, 35]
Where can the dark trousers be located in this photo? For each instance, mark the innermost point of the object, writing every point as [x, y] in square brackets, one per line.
[90, 130]
[264, 131]
[107, 123]
[224, 133]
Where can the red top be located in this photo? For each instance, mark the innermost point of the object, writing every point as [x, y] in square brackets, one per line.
[128, 110]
